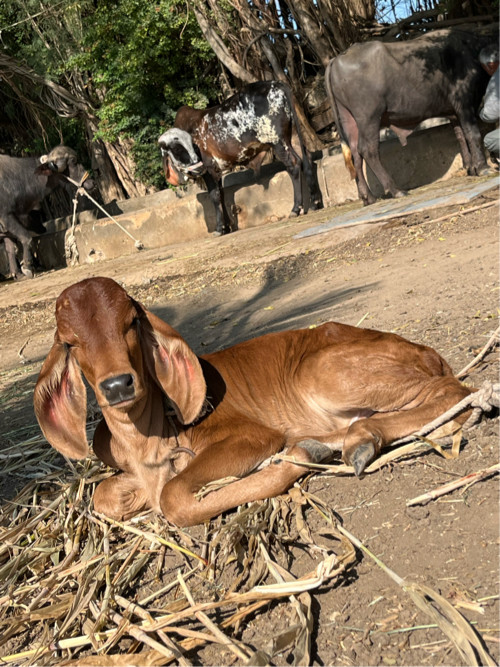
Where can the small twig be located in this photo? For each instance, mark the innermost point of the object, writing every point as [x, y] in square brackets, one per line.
[21, 349]
[238, 650]
[146, 616]
[134, 630]
[455, 484]
[495, 338]
[464, 212]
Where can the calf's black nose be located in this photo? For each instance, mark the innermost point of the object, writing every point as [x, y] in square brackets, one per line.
[118, 389]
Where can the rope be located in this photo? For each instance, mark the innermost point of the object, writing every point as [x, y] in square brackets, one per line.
[80, 190]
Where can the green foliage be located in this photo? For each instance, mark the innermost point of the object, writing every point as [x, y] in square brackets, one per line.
[138, 61]
[148, 59]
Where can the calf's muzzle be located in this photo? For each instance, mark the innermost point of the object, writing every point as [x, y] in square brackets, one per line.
[118, 389]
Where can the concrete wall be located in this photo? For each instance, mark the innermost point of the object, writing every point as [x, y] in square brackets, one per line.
[165, 217]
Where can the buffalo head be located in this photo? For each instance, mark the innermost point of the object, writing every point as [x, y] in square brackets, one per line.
[62, 161]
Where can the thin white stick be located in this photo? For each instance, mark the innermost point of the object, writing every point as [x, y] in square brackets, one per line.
[455, 484]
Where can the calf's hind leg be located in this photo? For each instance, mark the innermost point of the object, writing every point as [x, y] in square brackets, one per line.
[366, 437]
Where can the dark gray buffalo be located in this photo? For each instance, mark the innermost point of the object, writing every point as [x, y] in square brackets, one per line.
[240, 131]
[24, 183]
[400, 84]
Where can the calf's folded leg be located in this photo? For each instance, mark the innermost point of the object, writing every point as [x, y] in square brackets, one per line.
[120, 497]
[230, 458]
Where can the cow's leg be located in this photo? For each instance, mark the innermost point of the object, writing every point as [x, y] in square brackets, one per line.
[366, 437]
[223, 221]
[235, 455]
[350, 129]
[382, 389]
[369, 146]
[472, 136]
[293, 165]
[364, 192]
[11, 250]
[462, 142]
[15, 229]
[310, 172]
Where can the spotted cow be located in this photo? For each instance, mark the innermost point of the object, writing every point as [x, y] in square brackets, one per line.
[239, 132]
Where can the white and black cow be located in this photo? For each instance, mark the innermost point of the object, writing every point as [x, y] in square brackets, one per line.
[240, 131]
[24, 183]
[400, 84]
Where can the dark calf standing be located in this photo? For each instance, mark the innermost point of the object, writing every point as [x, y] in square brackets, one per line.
[240, 131]
[24, 183]
[399, 85]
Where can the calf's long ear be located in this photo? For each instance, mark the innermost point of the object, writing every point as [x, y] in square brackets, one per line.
[175, 367]
[60, 402]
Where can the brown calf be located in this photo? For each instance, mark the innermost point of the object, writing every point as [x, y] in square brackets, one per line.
[173, 422]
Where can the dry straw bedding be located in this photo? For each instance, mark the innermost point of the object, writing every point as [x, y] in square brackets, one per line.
[79, 588]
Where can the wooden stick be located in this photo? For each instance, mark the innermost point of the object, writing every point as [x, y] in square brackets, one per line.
[495, 337]
[232, 645]
[455, 484]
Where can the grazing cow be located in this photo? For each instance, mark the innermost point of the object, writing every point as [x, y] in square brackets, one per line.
[240, 131]
[400, 84]
[173, 422]
[24, 183]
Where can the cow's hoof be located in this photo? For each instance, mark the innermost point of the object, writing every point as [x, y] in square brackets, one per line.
[26, 273]
[317, 206]
[400, 193]
[361, 457]
[20, 276]
[216, 234]
[487, 171]
[318, 451]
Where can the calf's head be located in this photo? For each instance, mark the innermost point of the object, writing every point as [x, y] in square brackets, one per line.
[180, 158]
[62, 161]
[124, 351]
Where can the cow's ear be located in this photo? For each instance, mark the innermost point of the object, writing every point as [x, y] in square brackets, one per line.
[60, 401]
[174, 366]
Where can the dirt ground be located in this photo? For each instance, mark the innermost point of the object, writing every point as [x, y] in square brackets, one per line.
[434, 282]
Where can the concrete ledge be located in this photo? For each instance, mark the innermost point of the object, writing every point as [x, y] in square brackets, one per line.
[165, 218]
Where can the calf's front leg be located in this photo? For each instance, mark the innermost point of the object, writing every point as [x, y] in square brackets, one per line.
[120, 497]
[231, 457]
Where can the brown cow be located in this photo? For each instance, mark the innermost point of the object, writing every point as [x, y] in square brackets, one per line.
[173, 422]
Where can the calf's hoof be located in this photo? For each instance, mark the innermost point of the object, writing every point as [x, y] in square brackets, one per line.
[361, 457]
[318, 451]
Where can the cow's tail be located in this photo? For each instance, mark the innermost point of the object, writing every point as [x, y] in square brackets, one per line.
[346, 150]
[295, 119]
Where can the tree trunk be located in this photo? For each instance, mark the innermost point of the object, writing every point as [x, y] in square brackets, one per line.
[220, 49]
